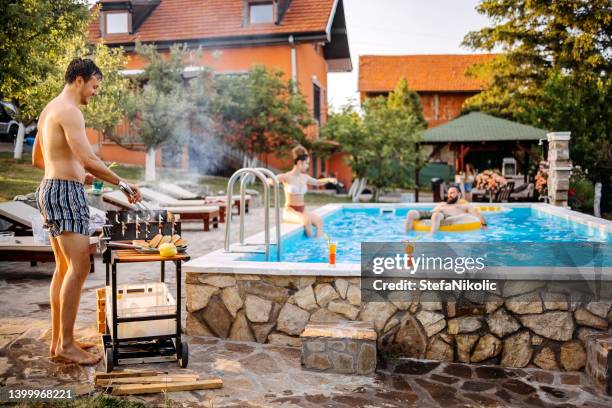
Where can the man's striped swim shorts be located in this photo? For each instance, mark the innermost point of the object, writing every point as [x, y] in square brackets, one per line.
[63, 206]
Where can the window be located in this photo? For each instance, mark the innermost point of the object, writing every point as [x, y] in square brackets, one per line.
[316, 103]
[261, 13]
[117, 23]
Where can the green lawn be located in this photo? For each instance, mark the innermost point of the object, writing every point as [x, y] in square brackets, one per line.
[98, 401]
[20, 177]
[17, 176]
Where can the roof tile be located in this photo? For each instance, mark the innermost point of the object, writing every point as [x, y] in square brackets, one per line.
[199, 19]
[442, 72]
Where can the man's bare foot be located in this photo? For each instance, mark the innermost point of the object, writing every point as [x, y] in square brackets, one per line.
[77, 355]
[85, 345]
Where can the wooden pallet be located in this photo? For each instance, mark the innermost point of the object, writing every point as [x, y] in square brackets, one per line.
[101, 309]
[147, 382]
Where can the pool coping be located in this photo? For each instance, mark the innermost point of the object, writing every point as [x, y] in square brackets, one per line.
[221, 262]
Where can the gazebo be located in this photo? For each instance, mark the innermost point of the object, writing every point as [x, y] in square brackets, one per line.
[482, 140]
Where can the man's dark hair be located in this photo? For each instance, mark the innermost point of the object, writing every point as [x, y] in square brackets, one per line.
[455, 186]
[85, 68]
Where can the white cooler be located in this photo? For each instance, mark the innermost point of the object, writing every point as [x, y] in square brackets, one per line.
[139, 300]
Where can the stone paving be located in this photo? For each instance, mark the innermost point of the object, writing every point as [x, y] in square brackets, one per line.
[260, 375]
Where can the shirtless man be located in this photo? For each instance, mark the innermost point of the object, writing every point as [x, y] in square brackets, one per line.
[454, 207]
[62, 150]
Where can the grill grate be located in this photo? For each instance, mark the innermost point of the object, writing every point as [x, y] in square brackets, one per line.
[145, 224]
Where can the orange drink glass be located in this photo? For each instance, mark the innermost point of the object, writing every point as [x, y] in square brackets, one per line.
[332, 246]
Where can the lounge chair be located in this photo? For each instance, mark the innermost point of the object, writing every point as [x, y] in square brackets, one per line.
[182, 194]
[524, 192]
[19, 214]
[503, 194]
[178, 192]
[165, 200]
[25, 249]
[207, 213]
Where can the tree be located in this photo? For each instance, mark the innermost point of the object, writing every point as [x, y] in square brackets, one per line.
[108, 108]
[554, 70]
[33, 37]
[38, 41]
[346, 128]
[259, 112]
[583, 106]
[105, 110]
[157, 111]
[393, 132]
[382, 144]
[405, 99]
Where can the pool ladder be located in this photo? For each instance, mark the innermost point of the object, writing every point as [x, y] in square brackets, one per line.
[246, 175]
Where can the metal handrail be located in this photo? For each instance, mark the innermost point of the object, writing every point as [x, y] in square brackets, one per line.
[243, 183]
[276, 208]
[261, 174]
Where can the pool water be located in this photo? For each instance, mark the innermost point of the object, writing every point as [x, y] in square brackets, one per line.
[352, 226]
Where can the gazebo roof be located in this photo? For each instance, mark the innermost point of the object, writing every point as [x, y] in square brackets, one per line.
[480, 127]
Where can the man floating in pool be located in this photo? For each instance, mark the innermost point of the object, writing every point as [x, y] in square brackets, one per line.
[454, 211]
[296, 183]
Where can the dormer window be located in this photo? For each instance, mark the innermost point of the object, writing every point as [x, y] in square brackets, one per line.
[261, 12]
[117, 22]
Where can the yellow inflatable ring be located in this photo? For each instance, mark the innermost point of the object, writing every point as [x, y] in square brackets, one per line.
[489, 208]
[425, 226]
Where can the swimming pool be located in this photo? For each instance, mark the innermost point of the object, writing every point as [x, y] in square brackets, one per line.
[352, 225]
[304, 288]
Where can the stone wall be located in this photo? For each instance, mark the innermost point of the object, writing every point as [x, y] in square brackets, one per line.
[527, 323]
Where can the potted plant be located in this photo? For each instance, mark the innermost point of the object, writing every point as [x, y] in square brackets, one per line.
[541, 181]
[581, 191]
[490, 181]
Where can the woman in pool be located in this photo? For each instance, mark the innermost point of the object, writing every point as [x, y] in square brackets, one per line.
[296, 183]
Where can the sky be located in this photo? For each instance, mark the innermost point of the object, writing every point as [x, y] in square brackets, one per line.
[400, 27]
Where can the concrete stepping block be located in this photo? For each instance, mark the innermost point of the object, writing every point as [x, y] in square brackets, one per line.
[340, 347]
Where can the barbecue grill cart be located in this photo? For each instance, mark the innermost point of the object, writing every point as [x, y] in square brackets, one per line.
[143, 321]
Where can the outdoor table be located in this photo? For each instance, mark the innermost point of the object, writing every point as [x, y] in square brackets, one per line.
[25, 249]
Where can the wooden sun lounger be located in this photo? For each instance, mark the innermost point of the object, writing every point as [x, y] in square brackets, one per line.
[24, 249]
[209, 214]
[218, 199]
[183, 194]
[165, 200]
[19, 215]
[178, 192]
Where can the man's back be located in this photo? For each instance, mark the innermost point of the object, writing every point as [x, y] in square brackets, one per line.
[59, 159]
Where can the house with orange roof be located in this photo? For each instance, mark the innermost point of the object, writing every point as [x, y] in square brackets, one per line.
[440, 80]
[305, 39]
[443, 85]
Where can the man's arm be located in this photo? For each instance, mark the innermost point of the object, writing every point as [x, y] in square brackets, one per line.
[74, 128]
[475, 212]
[437, 208]
[37, 158]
